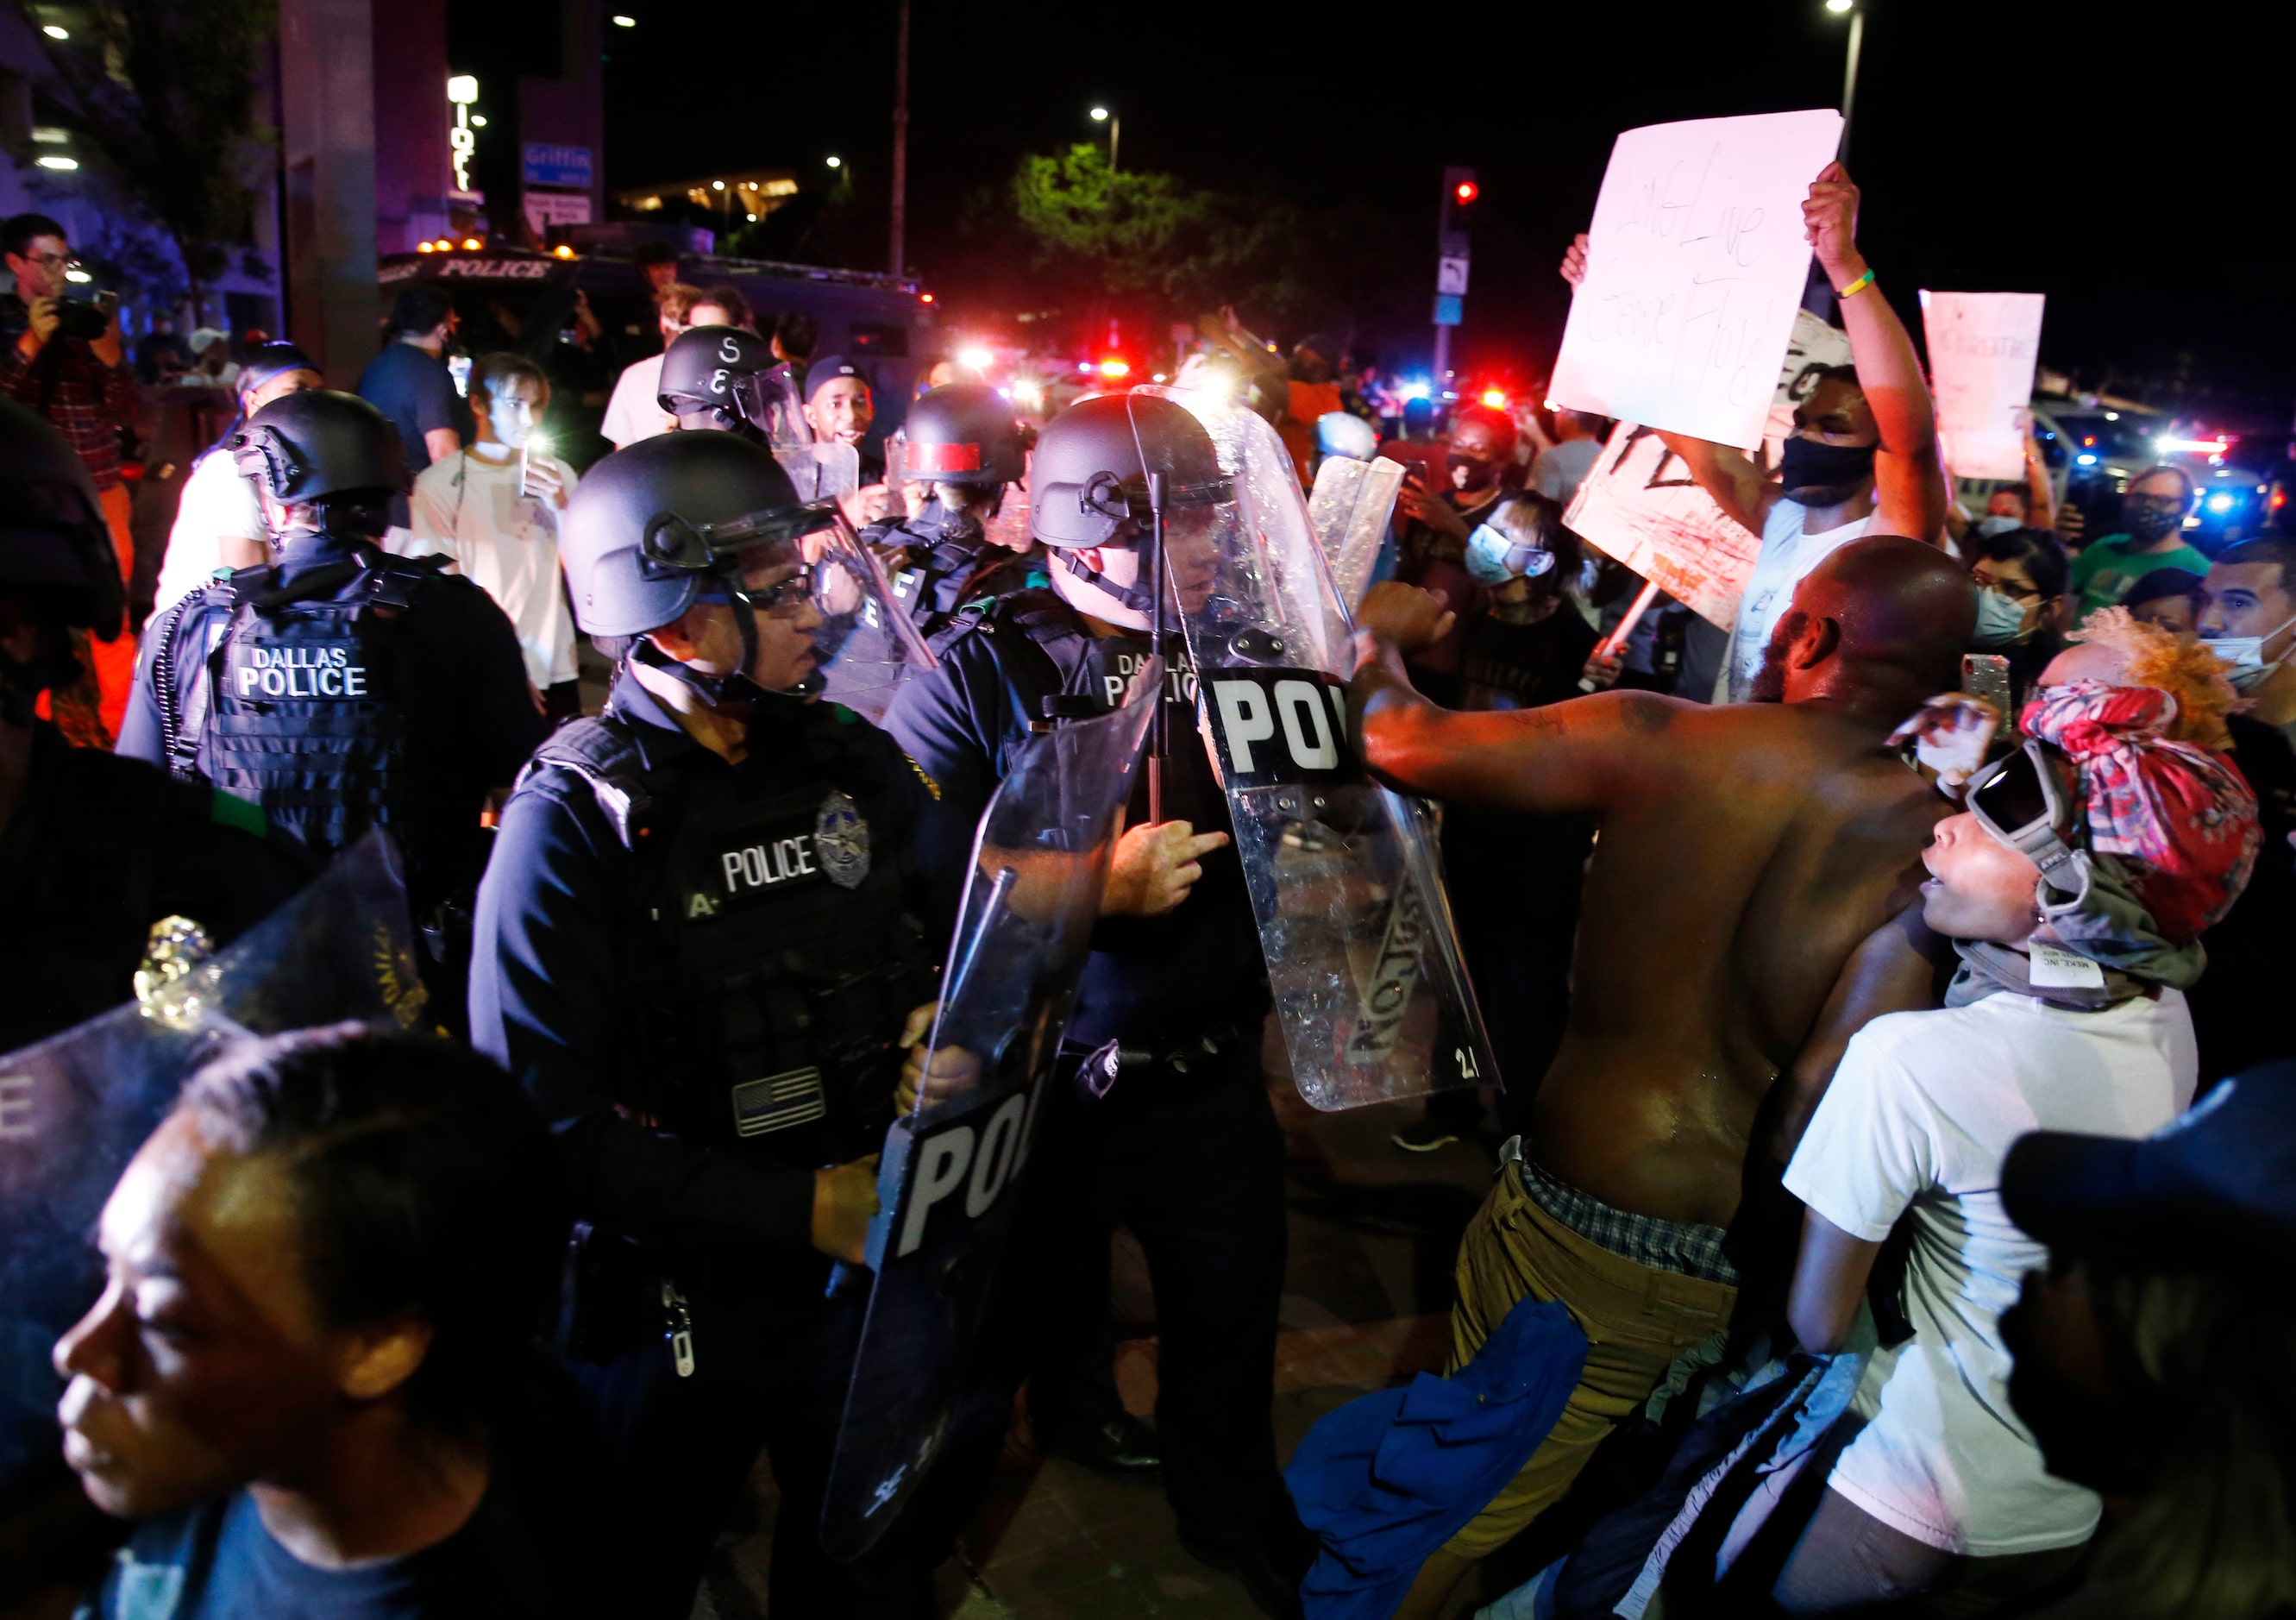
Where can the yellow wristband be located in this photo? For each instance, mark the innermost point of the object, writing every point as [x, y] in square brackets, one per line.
[1856, 287]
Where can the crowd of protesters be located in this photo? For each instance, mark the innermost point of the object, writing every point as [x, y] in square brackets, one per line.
[1914, 1258]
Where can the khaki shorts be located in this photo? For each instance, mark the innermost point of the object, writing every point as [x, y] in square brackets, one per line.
[1636, 1319]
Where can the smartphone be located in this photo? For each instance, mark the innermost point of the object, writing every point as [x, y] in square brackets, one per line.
[1985, 675]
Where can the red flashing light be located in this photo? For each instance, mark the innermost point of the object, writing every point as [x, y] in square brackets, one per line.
[1496, 399]
[1466, 191]
[1115, 368]
[924, 298]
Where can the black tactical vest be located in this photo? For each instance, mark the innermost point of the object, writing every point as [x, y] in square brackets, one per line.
[304, 707]
[774, 964]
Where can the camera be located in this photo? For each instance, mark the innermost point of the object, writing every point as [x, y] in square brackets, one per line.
[84, 317]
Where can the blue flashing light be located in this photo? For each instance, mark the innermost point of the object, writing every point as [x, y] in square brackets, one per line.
[1415, 389]
[2219, 503]
[2085, 460]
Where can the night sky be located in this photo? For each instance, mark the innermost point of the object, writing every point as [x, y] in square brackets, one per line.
[2139, 180]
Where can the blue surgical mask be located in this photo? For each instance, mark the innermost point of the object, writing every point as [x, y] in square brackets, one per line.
[2000, 618]
[1493, 557]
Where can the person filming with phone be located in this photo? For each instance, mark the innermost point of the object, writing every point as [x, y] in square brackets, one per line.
[61, 354]
[492, 510]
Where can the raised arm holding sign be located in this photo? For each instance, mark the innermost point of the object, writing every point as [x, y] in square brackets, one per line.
[1693, 270]
[1864, 456]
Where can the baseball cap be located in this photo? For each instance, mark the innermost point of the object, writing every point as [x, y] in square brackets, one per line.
[2213, 1190]
[821, 372]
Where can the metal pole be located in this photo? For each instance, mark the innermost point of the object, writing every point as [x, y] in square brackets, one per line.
[1848, 77]
[1159, 737]
[900, 141]
[1442, 363]
[1115, 132]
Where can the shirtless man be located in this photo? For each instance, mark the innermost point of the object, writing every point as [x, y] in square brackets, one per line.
[1745, 852]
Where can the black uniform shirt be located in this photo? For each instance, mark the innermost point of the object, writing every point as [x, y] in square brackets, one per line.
[951, 563]
[559, 938]
[473, 719]
[1151, 982]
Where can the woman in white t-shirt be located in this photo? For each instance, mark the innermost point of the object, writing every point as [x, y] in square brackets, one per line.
[2066, 1015]
[218, 522]
[492, 510]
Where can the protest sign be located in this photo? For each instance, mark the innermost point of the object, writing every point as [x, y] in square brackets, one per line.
[1639, 504]
[1695, 266]
[1983, 347]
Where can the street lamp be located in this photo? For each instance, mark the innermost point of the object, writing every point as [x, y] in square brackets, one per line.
[1101, 115]
[1849, 72]
[837, 162]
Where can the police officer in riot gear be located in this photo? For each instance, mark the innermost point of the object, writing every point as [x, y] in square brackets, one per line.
[93, 848]
[340, 687]
[722, 377]
[697, 949]
[963, 443]
[1166, 1125]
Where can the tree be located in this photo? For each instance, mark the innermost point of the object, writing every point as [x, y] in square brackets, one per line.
[161, 91]
[1145, 236]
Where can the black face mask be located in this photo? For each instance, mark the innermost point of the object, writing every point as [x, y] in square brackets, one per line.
[1808, 465]
[2150, 523]
[1480, 474]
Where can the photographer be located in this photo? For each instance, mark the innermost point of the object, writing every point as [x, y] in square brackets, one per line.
[63, 356]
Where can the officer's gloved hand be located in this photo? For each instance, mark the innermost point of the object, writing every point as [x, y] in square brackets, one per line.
[1155, 868]
[844, 1203]
[940, 1076]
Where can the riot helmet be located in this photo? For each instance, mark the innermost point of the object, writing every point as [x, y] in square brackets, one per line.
[325, 449]
[964, 434]
[703, 515]
[720, 371]
[1089, 485]
[56, 556]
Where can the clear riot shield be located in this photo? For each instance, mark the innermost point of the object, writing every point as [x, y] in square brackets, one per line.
[74, 1108]
[1363, 957]
[867, 644]
[821, 472]
[945, 1184]
[1350, 508]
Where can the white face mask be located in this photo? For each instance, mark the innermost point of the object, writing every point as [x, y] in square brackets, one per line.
[2245, 655]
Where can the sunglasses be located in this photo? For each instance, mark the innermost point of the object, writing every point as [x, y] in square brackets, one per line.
[2020, 801]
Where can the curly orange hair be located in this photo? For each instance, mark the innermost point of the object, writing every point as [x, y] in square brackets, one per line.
[2182, 666]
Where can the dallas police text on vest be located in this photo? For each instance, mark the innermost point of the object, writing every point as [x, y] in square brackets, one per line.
[297, 672]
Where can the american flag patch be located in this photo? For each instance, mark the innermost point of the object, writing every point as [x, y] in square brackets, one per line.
[778, 1102]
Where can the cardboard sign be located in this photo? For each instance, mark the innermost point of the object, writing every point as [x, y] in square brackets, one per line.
[1639, 504]
[1983, 348]
[1695, 266]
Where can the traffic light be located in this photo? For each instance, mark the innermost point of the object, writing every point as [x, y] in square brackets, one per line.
[1459, 193]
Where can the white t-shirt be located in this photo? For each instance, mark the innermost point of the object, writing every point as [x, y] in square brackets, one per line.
[1786, 555]
[1559, 472]
[469, 509]
[215, 501]
[1920, 1115]
[635, 412]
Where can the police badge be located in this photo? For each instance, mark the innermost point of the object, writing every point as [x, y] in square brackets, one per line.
[840, 842]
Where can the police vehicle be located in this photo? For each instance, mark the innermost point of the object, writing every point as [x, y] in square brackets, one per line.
[524, 301]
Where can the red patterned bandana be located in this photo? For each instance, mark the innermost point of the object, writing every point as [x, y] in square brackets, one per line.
[2180, 814]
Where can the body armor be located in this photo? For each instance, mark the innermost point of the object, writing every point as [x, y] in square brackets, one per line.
[304, 707]
[774, 962]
